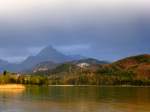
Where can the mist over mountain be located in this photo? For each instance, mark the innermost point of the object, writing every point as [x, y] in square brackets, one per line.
[47, 54]
[3, 63]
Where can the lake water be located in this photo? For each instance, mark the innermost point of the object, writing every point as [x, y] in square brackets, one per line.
[76, 99]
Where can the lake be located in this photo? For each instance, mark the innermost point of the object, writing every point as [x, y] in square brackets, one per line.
[76, 99]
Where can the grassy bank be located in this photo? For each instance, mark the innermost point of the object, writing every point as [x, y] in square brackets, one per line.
[12, 86]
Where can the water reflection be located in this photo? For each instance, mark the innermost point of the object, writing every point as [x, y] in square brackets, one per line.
[77, 99]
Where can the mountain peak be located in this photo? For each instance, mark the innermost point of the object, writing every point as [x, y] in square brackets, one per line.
[48, 49]
[50, 52]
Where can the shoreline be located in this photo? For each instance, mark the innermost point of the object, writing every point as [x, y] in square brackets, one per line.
[96, 86]
[22, 86]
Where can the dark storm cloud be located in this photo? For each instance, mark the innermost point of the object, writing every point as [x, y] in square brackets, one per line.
[89, 29]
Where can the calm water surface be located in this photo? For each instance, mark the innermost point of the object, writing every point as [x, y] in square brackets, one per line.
[76, 99]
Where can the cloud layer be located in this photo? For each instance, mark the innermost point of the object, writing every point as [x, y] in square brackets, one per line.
[105, 29]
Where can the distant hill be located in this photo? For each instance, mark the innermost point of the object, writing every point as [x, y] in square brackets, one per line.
[90, 61]
[50, 67]
[134, 66]
[134, 60]
[44, 66]
[138, 66]
[134, 70]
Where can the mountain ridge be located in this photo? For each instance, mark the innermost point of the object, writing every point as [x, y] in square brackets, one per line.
[47, 54]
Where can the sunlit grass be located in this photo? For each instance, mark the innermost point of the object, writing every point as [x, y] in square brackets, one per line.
[12, 88]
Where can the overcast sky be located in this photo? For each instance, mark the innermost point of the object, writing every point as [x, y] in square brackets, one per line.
[104, 29]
